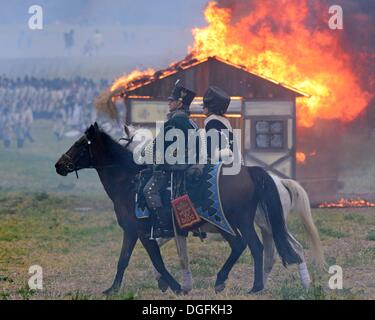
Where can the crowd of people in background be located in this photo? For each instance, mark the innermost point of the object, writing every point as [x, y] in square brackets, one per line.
[68, 103]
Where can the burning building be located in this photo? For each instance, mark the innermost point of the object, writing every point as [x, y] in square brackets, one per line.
[295, 83]
[262, 108]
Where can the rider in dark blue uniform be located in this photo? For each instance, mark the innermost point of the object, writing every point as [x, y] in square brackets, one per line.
[215, 105]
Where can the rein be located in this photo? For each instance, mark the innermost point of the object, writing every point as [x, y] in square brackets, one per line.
[129, 140]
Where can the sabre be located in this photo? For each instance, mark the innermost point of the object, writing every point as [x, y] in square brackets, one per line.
[176, 239]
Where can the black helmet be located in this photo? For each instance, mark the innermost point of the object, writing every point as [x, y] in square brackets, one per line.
[216, 100]
[179, 93]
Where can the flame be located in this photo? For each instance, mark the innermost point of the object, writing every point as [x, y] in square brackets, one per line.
[347, 203]
[274, 41]
[300, 157]
[127, 80]
[309, 60]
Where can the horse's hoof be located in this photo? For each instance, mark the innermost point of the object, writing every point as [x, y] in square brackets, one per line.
[186, 290]
[255, 290]
[219, 288]
[163, 286]
[178, 292]
[111, 291]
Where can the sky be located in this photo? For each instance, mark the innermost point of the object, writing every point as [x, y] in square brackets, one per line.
[171, 13]
[126, 26]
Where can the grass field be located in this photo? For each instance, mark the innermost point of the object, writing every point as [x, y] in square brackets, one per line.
[77, 241]
[69, 228]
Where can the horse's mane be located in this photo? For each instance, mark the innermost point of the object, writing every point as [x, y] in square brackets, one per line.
[119, 154]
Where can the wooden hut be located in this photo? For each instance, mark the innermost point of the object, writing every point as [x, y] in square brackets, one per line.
[262, 108]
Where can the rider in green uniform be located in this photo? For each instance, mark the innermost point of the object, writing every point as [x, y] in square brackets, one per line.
[177, 118]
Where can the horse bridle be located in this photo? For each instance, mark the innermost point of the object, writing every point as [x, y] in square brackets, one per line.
[129, 140]
[70, 165]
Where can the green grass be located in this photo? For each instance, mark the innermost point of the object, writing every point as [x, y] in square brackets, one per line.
[4, 295]
[355, 218]
[292, 290]
[362, 257]
[79, 250]
[77, 295]
[371, 235]
[325, 230]
[25, 292]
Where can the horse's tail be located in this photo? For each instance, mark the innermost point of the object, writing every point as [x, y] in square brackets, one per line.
[301, 205]
[269, 198]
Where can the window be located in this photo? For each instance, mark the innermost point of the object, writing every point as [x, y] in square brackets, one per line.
[269, 134]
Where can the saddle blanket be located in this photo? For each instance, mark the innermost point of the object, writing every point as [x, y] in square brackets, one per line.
[205, 195]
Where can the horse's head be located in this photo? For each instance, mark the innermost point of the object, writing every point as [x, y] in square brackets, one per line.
[81, 154]
[96, 149]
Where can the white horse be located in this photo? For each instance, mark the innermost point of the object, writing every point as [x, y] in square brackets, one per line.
[294, 199]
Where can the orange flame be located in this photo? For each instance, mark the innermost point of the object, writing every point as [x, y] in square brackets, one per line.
[311, 61]
[126, 80]
[300, 157]
[347, 203]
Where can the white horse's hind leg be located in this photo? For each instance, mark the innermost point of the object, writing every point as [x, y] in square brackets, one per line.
[298, 202]
[302, 267]
[304, 275]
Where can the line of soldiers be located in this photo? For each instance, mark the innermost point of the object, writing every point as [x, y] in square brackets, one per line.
[16, 124]
[67, 102]
[215, 104]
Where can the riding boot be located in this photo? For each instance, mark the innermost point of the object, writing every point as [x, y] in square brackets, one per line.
[147, 227]
[165, 229]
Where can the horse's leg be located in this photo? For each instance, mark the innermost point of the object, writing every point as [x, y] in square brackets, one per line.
[256, 248]
[163, 286]
[302, 267]
[269, 252]
[187, 279]
[237, 245]
[153, 251]
[128, 242]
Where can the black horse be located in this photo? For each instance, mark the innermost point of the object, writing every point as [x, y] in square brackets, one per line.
[241, 195]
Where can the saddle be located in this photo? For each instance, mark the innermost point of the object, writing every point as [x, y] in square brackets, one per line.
[185, 213]
[196, 197]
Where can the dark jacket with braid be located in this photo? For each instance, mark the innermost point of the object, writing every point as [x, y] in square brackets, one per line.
[220, 126]
[176, 120]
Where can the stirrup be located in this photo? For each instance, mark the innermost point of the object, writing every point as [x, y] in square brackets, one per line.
[162, 233]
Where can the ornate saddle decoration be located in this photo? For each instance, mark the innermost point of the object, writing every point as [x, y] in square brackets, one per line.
[206, 198]
[184, 211]
[201, 202]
